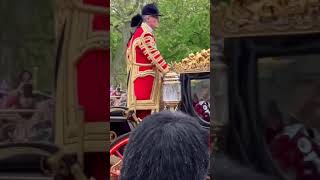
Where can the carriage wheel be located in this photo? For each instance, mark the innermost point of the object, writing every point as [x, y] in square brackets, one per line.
[116, 154]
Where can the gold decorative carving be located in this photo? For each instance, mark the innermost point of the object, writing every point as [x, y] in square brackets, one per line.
[61, 165]
[100, 41]
[271, 17]
[96, 137]
[194, 63]
[116, 164]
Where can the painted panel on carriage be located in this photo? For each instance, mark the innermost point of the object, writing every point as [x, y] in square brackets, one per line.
[27, 57]
[289, 98]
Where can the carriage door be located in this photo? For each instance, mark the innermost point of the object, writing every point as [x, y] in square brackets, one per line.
[92, 86]
[82, 31]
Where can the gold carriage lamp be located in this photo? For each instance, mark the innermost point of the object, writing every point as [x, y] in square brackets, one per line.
[171, 91]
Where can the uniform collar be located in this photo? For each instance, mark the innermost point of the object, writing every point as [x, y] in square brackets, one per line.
[146, 27]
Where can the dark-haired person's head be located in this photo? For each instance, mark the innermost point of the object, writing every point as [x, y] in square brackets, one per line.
[167, 146]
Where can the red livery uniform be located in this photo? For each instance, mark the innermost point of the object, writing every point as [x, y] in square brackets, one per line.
[145, 67]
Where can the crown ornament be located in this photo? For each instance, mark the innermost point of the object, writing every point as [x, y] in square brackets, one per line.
[194, 63]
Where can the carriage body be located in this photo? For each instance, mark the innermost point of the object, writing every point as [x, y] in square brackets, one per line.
[193, 75]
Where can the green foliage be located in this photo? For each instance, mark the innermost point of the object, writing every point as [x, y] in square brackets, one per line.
[27, 41]
[184, 29]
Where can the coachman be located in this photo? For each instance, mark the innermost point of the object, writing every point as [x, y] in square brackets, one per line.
[145, 65]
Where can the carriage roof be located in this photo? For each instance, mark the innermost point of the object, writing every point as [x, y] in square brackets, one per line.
[267, 18]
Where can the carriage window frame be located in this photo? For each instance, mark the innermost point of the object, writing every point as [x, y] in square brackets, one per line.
[244, 102]
[186, 100]
[26, 151]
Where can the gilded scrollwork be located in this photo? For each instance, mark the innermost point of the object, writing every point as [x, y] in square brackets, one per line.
[61, 165]
[268, 17]
[194, 63]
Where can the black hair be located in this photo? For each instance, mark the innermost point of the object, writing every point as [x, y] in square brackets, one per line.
[167, 146]
[226, 169]
[136, 21]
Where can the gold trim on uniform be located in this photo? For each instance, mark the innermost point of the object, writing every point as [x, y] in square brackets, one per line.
[148, 52]
[146, 73]
[163, 63]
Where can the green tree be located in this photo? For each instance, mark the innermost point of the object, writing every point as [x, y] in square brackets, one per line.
[184, 28]
[27, 41]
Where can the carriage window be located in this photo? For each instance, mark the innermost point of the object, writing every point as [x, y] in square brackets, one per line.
[200, 93]
[289, 98]
[118, 97]
[27, 58]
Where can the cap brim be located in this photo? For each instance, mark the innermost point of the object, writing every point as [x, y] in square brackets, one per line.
[153, 14]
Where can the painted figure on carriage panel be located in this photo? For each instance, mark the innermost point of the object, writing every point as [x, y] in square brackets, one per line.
[145, 65]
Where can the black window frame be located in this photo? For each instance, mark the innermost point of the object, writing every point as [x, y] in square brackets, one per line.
[186, 96]
[244, 140]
